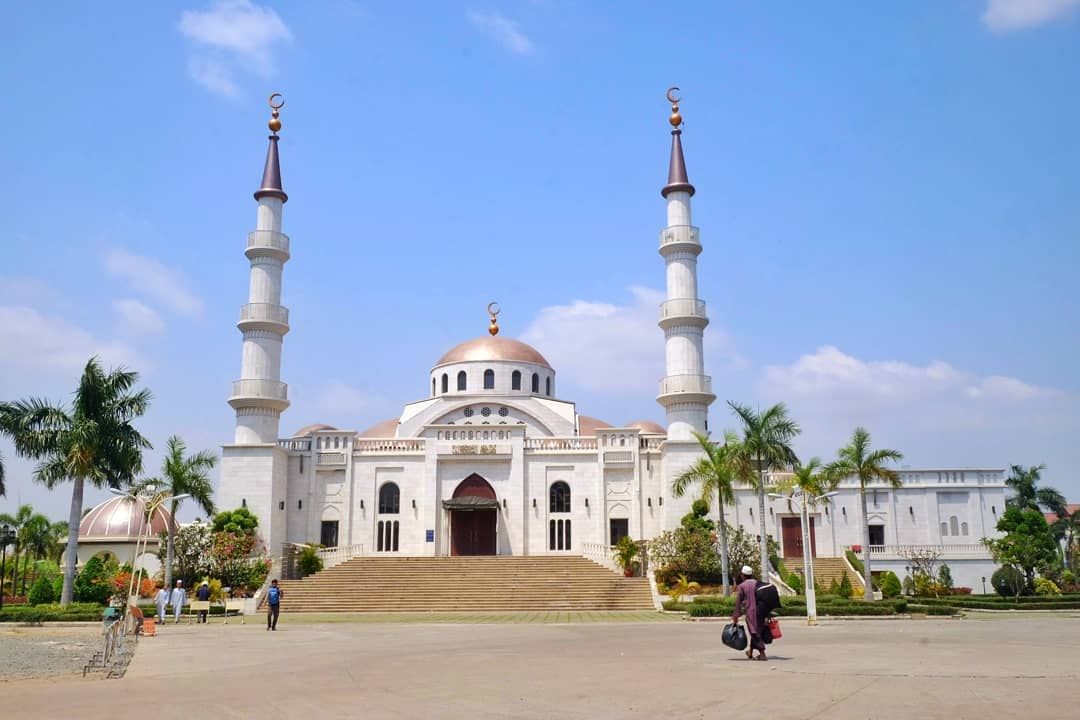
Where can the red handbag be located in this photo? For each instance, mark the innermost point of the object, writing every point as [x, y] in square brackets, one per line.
[774, 629]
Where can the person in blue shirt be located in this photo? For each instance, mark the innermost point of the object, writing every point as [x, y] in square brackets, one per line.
[273, 605]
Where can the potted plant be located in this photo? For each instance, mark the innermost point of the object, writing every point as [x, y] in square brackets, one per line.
[626, 551]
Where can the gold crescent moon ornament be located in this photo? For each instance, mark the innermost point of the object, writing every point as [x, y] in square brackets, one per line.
[277, 101]
[493, 310]
[676, 118]
[671, 96]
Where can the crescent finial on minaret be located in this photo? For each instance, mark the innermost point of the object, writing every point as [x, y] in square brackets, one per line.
[493, 310]
[677, 178]
[676, 118]
[276, 102]
[271, 179]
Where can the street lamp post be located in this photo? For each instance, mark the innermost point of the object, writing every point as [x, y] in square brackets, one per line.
[7, 536]
[804, 499]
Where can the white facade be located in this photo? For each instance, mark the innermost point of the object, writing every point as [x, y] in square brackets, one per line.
[492, 461]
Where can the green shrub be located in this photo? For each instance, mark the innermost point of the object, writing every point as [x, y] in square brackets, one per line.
[890, 584]
[844, 589]
[933, 609]
[900, 605]
[944, 576]
[674, 606]
[795, 582]
[74, 612]
[855, 562]
[41, 592]
[707, 610]
[1008, 581]
[1046, 586]
[309, 561]
[94, 583]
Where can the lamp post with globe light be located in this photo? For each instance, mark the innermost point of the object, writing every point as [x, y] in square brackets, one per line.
[805, 499]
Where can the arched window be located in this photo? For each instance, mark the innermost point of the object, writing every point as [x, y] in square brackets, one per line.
[387, 539]
[489, 379]
[954, 526]
[963, 529]
[547, 386]
[389, 499]
[515, 380]
[445, 383]
[432, 387]
[944, 530]
[536, 383]
[461, 380]
[560, 497]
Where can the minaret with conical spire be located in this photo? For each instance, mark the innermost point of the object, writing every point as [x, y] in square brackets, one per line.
[259, 396]
[685, 391]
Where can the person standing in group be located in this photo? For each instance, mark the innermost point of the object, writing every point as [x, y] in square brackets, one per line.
[273, 605]
[161, 600]
[177, 600]
[746, 604]
[203, 594]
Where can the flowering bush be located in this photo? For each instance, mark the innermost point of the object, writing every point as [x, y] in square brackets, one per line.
[122, 581]
[238, 559]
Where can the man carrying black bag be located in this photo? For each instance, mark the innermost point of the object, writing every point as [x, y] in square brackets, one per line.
[746, 605]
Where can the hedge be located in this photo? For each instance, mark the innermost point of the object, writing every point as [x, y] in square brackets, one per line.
[933, 609]
[74, 612]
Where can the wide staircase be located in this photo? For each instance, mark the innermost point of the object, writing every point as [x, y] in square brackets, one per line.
[460, 584]
[826, 570]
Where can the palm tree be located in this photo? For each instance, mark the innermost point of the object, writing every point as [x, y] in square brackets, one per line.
[17, 522]
[34, 541]
[867, 466]
[766, 443]
[184, 476]
[813, 480]
[716, 472]
[94, 441]
[3, 490]
[1024, 482]
[1067, 529]
[58, 533]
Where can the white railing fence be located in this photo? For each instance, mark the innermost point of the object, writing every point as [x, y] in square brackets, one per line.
[332, 556]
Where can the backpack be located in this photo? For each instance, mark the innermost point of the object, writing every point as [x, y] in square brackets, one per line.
[274, 596]
[767, 597]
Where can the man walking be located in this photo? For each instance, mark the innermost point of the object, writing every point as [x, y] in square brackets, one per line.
[177, 600]
[746, 604]
[273, 605]
[203, 594]
[161, 600]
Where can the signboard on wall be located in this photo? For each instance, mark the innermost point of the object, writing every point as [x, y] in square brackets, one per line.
[429, 536]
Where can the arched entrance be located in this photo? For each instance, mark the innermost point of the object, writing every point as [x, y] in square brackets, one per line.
[473, 516]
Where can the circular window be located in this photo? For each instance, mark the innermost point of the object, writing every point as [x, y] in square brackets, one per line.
[503, 412]
[468, 412]
[485, 412]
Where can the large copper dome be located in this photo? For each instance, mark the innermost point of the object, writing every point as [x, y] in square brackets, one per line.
[493, 348]
[121, 519]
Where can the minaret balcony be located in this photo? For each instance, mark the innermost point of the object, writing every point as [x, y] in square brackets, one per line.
[680, 237]
[259, 393]
[264, 316]
[268, 242]
[683, 311]
[686, 388]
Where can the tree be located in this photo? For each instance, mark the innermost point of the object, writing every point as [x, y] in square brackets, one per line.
[191, 552]
[183, 476]
[35, 541]
[1024, 482]
[867, 466]
[1067, 530]
[3, 490]
[716, 473]
[17, 522]
[93, 441]
[766, 442]
[813, 480]
[1027, 544]
[240, 520]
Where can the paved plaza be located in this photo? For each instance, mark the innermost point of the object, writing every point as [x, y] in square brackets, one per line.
[590, 667]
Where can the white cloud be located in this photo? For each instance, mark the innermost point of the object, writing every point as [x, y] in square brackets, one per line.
[232, 35]
[503, 30]
[138, 319]
[35, 341]
[614, 348]
[151, 277]
[936, 413]
[1007, 15]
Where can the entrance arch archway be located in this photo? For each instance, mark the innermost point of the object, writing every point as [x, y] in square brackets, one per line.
[473, 517]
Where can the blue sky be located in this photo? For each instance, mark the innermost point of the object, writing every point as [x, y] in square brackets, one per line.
[887, 198]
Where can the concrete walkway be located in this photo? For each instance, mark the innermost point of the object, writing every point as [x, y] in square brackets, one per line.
[985, 668]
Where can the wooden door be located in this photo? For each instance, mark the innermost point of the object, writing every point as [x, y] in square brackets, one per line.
[791, 534]
[472, 532]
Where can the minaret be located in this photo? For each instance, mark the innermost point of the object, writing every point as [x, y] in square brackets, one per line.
[685, 391]
[259, 396]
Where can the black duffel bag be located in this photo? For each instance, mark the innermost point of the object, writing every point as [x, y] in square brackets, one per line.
[734, 636]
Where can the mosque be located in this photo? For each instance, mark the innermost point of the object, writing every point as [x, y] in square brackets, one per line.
[492, 461]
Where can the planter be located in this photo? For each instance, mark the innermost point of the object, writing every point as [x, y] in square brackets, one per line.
[856, 548]
[628, 572]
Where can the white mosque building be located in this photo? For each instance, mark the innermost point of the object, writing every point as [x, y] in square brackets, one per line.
[493, 462]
